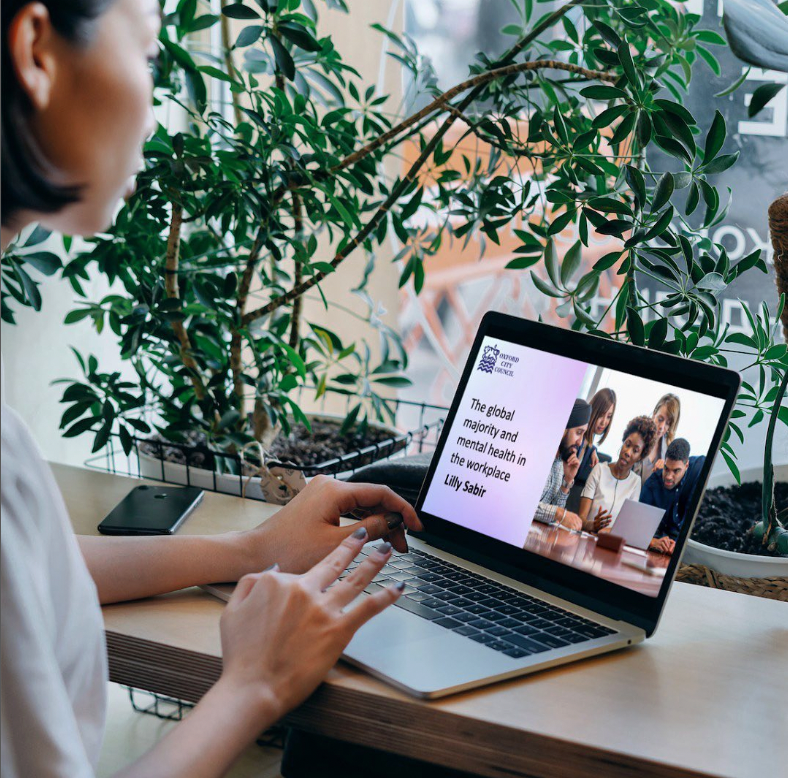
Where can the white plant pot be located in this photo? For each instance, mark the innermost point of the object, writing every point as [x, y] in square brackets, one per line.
[733, 562]
[155, 468]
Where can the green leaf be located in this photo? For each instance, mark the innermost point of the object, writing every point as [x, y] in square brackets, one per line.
[228, 419]
[544, 287]
[708, 36]
[299, 35]
[714, 138]
[571, 263]
[638, 185]
[603, 93]
[735, 85]
[628, 66]
[240, 11]
[635, 327]
[249, 35]
[283, 59]
[521, 263]
[762, 96]
[710, 60]
[44, 261]
[551, 263]
[720, 164]
[662, 191]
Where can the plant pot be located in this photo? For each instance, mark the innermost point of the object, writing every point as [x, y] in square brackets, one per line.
[762, 575]
[156, 468]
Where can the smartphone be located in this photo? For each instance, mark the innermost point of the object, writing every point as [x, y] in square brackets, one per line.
[151, 510]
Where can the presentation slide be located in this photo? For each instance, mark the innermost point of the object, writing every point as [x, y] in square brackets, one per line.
[504, 439]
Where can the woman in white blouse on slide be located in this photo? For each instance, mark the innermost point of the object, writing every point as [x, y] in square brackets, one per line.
[611, 483]
[76, 110]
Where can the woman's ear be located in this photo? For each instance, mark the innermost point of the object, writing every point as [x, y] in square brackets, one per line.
[31, 41]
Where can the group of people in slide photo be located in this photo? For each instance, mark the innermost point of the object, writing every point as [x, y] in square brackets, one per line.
[587, 488]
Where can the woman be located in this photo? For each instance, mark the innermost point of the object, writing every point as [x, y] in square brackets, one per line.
[76, 109]
[666, 416]
[610, 484]
[603, 406]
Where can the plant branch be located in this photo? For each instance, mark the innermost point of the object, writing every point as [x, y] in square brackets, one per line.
[295, 321]
[171, 289]
[475, 84]
[229, 64]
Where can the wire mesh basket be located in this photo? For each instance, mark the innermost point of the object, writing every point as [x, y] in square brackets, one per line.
[418, 430]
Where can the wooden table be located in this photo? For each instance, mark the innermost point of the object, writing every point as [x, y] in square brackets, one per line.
[707, 695]
[640, 570]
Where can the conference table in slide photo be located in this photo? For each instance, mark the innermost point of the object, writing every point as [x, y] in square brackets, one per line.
[706, 696]
[632, 567]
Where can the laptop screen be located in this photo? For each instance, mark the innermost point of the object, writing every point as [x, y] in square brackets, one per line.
[588, 466]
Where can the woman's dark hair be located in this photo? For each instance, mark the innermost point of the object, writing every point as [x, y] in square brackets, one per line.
[646, 428]
[600, 403]
[26, 174]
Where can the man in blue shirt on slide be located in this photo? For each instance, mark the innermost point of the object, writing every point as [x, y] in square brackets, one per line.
[670, 488]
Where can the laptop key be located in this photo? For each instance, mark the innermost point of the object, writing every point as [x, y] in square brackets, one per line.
[574, 637]
[510, 623]
[526, 629]
[493, 615]
[433, 603]
[550, 640]
[558, 630]
[527, 643]
[466, 631]
[498, 631]
[478, 609]
[499, 645]
[418, 608]
[457, 588]
[448, 622]
[540, 623]
[465, 617]
[429, 577]
[460, 602]
[506, 609]
[449, 610]
[418, 596]
[591, 632]
[427, 588]
[482, 638]
[476, 596]
[517, 653]
[441, 595]
[482, 624]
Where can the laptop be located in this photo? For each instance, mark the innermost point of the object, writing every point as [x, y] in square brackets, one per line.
[495, 587]
[637, 522]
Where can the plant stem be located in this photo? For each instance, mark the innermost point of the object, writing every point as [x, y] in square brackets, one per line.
[295, 320]
[229, 64]
[768, 504]
[171, 289]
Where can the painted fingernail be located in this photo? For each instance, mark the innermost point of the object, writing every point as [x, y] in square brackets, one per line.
[393, 520]
[383, 549]
[400, 587]
[274, 566]
[361, 532]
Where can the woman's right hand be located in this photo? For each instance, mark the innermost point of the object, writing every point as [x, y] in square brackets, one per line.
[282, 633]
[602, 520]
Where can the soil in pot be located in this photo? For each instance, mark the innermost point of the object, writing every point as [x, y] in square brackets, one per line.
[302, 447]
[727, 513]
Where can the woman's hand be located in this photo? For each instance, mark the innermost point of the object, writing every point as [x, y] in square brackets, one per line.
[662, 545]
[602, 520]
[307, 528]
[282, 633]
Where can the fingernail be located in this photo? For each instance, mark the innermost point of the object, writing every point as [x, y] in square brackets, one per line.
[393, 520]
[400, 587]
[274, 566]
[361, 532]
[383, 549]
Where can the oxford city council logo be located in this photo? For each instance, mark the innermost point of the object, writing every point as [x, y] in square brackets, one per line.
[488, 360]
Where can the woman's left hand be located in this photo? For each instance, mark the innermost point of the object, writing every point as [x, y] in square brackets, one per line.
[307, 529]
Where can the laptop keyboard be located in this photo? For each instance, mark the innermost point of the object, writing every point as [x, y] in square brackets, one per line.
[497, 616]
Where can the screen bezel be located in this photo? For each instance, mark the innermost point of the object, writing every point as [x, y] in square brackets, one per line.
[582, 588]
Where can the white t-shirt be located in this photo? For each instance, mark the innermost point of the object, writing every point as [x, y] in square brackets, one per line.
[54, 662]
[609, 492]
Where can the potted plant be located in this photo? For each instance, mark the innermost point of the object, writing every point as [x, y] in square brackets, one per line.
[580, 136]
[740, 540]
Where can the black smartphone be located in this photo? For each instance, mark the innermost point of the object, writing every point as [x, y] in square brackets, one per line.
[152, 510]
